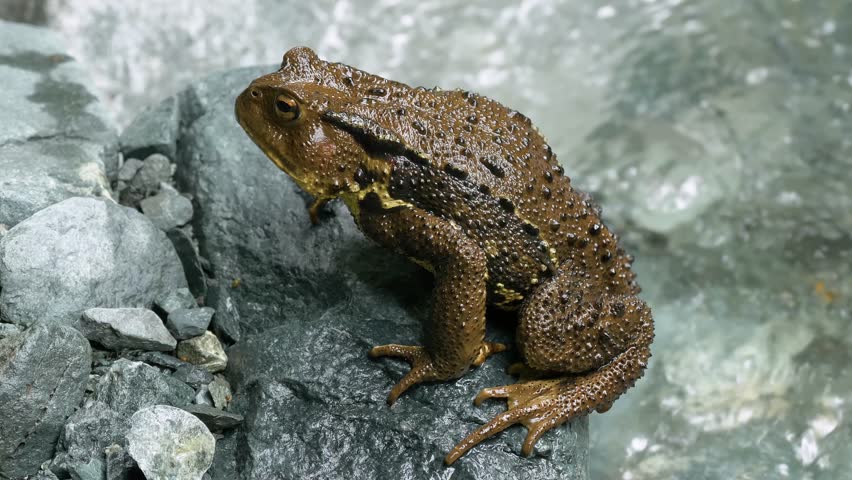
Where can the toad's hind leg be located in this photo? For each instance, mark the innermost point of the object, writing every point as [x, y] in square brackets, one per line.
[602, 343]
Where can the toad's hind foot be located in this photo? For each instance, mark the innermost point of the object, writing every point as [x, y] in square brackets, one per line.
[541, 405]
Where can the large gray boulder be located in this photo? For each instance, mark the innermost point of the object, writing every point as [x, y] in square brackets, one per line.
[83, 253]
[55, 141]
[43, 374]
[310, 302]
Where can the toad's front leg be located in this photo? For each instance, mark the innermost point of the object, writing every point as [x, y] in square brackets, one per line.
[455, 337]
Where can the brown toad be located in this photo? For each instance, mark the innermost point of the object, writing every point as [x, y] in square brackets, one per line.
[470, 190]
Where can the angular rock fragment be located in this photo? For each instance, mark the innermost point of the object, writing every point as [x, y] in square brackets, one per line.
[215, 418]
[167, 209]
[118, 328]
[194, 271]
[192, 375]
[205, 351]
[186, 323]
[175, 299]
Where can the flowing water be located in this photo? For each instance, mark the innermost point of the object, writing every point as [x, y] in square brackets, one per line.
[717, 135]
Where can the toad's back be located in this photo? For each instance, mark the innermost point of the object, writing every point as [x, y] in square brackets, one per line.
[483, 166]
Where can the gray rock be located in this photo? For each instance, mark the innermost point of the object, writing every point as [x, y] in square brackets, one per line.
[226, 320]
[167, 209]
[220, 392]
[9, 329]
[215, 418]
[205, 351]
[159, 359]
[175, 299]
[43, 374]
[169, 443]
[154, 130]
[55, 141]
[320, 297]
[192, 268]
[224, 460]
[192, 375]
[202, 396]
[86, 434]
[45, 473]
[118, 463]
[156, 169]
[186, 323]
[83, 253]
[129, 169]
[119, 328]
[129, 386]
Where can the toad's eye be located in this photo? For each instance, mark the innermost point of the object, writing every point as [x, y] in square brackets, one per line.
[286, 107]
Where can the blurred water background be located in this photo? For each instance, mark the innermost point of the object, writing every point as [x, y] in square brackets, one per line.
[717, 135]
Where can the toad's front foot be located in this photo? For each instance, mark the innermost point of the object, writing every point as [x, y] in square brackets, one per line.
[423, 368]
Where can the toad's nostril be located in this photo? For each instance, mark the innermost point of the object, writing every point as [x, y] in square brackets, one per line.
[255, 93]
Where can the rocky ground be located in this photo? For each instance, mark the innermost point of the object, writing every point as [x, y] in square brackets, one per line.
[167, 311]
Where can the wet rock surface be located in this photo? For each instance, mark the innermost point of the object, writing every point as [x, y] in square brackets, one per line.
[43, 374]
[117, 328]
[169, 443]
[83, 253]
[55, 142]
[311, 301]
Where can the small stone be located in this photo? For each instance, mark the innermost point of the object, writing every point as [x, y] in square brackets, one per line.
[205, 351]
[220, 391]
[192, 267]
[43, 374]
[167, 209]
[226, 320]
[153, 130]
[118, 463]
[175, 299]
[192, 375]
[202, 396]
[129, 386]
[118, 328]
[129, 169]
[160, 359]
[216, 419]
[44, 473]
[8, 329]
[186, 323]
[169, 443]
[156, 169]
